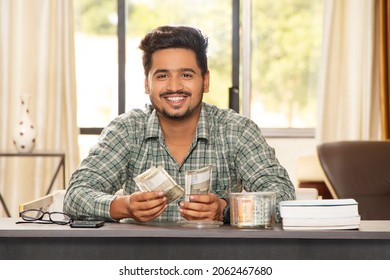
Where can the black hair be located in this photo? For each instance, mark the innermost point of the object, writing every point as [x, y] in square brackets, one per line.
[166, 37]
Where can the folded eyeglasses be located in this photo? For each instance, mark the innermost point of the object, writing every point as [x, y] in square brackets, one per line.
[37, 216]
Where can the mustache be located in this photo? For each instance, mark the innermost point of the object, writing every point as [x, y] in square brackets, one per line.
[181, 92]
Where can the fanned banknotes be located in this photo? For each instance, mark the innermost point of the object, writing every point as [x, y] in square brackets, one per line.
[157, 179]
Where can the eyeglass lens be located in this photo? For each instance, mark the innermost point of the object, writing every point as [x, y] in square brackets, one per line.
[32, 214]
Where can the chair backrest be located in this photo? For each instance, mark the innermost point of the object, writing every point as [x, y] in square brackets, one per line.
[360, 170]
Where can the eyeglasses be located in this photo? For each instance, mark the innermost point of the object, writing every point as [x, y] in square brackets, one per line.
[36, 216]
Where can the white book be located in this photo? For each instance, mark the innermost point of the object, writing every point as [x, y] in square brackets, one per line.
[322, 208]
[321, 228]
[321, 222]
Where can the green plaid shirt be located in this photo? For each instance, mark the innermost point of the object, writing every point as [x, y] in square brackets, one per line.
[232, 144]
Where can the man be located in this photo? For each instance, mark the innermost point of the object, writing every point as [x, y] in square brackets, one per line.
[180, 133]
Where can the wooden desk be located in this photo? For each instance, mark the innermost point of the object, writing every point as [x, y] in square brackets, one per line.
[169, 241]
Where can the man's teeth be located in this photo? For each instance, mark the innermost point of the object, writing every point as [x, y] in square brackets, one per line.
[175, 99]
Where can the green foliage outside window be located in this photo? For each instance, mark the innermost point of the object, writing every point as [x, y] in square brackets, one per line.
[286, 44]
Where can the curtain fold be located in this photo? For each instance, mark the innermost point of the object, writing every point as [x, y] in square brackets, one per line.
[348, 95]
[384, 62]
[37, 57]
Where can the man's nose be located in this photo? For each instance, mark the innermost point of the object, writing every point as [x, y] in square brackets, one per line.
[174, 84]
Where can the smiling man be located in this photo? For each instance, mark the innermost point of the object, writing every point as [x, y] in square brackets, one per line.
[180, 133]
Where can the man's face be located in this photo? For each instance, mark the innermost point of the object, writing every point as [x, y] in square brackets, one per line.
[175, 83]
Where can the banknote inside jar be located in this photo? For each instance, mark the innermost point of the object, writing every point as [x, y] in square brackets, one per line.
[252, 209]
[198, 181]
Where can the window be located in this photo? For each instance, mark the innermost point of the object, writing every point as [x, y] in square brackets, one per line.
[284, 52]
[96, 52]
[96, 62]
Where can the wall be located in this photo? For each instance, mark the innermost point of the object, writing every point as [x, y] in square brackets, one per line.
[288, 149]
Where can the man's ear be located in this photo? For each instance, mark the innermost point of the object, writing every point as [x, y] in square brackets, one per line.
[206, 82]
[146, 85]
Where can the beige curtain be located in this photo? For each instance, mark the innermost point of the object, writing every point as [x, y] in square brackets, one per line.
[383, 9]
[348, 82]
[36, 57]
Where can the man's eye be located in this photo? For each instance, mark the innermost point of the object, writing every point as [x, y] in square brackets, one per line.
[187, 75]
[162, 76]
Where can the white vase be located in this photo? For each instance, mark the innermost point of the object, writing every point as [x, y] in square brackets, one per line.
[24, 134]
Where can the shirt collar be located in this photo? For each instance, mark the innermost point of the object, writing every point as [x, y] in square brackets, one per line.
[202, 130]
[153, 129]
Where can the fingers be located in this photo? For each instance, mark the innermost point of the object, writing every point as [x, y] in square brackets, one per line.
[147, 200]
[148, 215]
[145, 206]
[201, 207]
[146, 196]
[204, 198]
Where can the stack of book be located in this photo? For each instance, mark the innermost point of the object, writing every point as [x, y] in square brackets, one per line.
[320, 214]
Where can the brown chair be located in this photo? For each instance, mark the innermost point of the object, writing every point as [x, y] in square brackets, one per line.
[359, 170]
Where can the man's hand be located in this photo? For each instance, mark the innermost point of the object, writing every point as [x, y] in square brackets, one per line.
[141, 206]
[203, 207]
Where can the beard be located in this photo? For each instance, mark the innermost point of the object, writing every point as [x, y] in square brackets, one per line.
[177, 115]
